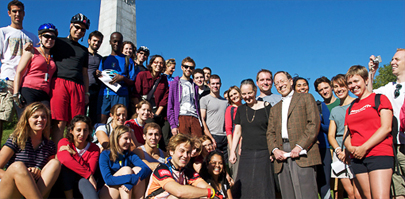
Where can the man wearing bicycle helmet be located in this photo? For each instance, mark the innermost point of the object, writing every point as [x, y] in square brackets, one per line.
[12, 40]
[71, 89]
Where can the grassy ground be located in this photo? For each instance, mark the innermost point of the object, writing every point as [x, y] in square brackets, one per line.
[6, 133]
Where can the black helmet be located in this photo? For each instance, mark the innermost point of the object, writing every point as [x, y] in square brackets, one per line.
[80, 18]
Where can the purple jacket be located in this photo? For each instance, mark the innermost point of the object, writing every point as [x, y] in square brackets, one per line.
[173, 105]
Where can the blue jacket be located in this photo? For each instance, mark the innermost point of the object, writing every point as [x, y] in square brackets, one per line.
[323, 131]
[108, 168]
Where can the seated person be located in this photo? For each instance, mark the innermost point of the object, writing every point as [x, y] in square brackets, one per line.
[214, 173]
[173, 179]
[123, 171]
[207, 147]
[29, 156]
[79, 158]
[143, 112]
[150, 152]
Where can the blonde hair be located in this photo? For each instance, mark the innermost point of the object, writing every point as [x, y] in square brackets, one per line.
[357, 70]
[139, 105]
[179, 139]
[114, 145]
[400, 49]
[23, 129]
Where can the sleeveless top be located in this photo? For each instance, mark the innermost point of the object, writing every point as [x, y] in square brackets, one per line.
[151, 159]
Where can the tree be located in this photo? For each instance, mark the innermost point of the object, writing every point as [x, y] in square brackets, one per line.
[384, 76]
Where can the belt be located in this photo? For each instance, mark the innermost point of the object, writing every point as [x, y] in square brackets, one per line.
[285, 140]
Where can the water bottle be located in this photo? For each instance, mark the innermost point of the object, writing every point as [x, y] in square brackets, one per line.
[3, 85]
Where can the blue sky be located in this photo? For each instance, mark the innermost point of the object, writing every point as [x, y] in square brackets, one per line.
[238, 38]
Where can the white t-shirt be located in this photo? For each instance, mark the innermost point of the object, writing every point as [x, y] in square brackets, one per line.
[12, 42]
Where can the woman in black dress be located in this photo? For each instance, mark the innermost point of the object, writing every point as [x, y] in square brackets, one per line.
[256, 180]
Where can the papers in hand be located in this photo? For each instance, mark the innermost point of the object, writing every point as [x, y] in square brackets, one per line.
[303, 152]
[106, 78]
[338, 166]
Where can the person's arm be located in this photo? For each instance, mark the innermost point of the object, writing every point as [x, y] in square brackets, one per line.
[325, 118]
[102, 139]
[271, 138]
[309, 135]
[402, 118]
[170, 108]
[332, 135]
[86, 85]
[145, 170]
[378, 136]
[5, 154]
[70, 162]
[236, 136]
[162, 94]
[373, 69]
[228, 126]
[22, 68]
[186, 191]
[206, 130]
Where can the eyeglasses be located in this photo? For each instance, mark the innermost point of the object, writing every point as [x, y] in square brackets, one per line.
[52, 37]
[396, 92]
[280, 82]
[207, 145]
[80, 28]
[187, 66]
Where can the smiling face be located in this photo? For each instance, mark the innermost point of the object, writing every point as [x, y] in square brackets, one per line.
[170, 68]
[124, 141]
[234, 96]
[181, 156]
[199, 79]
[48, 39]
[116, 42]
[143, 112]
[283, 84]
[215, 165]
[340, 91]
[188, 68]
[207, 147]
[119, 117]
[141, 56]
[94, 43]
[301, 86]
[398, 63]
[80, 133]
[264, 82]
[207, 74]
[77, 31]
[38, 120]
[357, 85]
[127, 50]
[16, 14]
[248, 94]
[152, 137]
[325, 90]
[215, 85]
[157, 65]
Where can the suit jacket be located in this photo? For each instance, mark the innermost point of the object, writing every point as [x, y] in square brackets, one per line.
[302, 125]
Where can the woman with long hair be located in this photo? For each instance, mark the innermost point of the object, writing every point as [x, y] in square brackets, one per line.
[251, 122]
[34, 74]
[29, 156]
[138, 121]
[300, 85]
[123, 171]
[369, 140]
[79, 158]
[152, 86]
[214, 173]
[335, 136]
[234, 100]
[128, 48]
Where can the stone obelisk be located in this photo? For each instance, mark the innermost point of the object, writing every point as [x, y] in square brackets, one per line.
[116, 15]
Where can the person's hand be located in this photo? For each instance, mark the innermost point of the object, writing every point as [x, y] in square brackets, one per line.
[279, 155]
[28, 46]
[124, 188]
[68, 149]
[271, 158]
[342, 156]
[295, 153]
[98, 73]
[230, 180]
[35, 172]
[175, 131]
[372, 67]
[360, 152]
[93, 181]
[214, 144]
[232, 157]
[117, 78]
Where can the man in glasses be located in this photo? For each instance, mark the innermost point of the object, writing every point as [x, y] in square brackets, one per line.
[183, 105]
[12, 40]
[70, 93]
[142, 55]
[395, 91]
[264, 81]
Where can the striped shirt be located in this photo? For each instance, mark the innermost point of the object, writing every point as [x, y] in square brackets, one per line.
[29, 156]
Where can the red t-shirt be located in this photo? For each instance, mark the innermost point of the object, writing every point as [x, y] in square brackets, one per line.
[364, 121]
[138, 130]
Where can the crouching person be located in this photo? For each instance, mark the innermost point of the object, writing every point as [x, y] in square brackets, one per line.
[29, 156]
[123, 171]
[173, 180]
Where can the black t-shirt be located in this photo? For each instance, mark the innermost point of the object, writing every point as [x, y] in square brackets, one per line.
[94, 63]
[70, 58]
[253, 132]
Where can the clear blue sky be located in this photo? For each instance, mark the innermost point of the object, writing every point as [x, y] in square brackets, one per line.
[238, 38]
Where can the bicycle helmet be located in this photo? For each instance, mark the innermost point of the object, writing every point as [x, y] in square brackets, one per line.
[144, 49]
[47, 27]
[80, 18]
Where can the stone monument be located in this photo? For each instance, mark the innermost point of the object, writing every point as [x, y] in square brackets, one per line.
[116, 15]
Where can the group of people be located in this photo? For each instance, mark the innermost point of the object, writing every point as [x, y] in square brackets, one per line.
[184, 139]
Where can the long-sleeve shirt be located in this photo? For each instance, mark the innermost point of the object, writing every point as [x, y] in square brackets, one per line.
[144, 83]
[84, 165]
[108, 168]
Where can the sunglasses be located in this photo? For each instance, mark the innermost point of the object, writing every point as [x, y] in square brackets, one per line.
[80, 28]
[187, 66]
[397, 89]
[52, 37]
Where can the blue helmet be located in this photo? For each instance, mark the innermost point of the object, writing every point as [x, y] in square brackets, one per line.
[47, 27]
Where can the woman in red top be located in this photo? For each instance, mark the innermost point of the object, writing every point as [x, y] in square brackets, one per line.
[79, 158]
[369, 141]
[34, 73]
[143, 112]
[234, 100]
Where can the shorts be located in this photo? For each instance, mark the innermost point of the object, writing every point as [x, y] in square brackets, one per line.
[372, 163]
[106, 102]
[347, 173]
[67, 100]
[30, 95]
[6, 102]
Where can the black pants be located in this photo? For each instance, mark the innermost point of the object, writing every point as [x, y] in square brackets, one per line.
[222, 145]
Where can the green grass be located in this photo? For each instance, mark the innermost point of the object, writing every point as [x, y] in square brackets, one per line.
[6, 134]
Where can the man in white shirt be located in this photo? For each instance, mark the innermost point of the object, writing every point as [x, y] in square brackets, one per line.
[12, 40]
